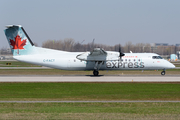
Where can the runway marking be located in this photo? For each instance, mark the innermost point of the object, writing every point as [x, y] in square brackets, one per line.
[134, 101]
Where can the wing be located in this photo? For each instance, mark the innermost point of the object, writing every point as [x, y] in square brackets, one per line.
[98, 51]
[98, 54]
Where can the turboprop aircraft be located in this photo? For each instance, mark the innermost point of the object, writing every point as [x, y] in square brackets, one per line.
[24, 50]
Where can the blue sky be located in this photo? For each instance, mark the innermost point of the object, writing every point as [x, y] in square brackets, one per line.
[108, 21]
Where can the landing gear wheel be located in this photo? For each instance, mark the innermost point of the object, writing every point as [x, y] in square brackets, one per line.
[96, 73]
[163, 73]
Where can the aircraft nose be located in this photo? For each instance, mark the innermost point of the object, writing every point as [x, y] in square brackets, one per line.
[171, 66]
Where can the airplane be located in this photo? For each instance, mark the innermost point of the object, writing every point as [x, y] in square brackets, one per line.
[23, 50]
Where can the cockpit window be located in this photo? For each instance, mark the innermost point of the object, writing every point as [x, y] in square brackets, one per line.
[154, 57]
[160, 57]
[157, 57]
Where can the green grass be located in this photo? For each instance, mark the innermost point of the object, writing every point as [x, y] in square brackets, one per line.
[89, 91]
[90, 111]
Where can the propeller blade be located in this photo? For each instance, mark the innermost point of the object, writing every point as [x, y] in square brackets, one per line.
[120, 53]
[119, 50]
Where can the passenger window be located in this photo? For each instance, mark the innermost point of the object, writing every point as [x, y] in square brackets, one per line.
[121, 59]
[129, 59]
[125, 59]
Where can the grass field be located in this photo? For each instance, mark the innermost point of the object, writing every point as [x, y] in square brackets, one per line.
[90, 91]
[90, 111]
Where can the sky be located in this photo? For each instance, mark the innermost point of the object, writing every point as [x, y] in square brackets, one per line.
[109, 22]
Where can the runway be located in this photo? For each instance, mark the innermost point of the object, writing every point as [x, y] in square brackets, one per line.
[170, 78]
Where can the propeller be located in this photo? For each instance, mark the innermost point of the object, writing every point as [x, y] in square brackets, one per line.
[92, 45]
[120, 53]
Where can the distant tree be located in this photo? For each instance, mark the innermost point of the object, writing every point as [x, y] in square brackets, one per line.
[147, 48]
[69, 44]
[128, 47]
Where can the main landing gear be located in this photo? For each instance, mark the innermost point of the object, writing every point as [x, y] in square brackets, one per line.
[95, 73]
[96, 67]
[163, 72]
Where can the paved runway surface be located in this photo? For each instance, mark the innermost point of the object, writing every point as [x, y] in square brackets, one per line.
[90, 78]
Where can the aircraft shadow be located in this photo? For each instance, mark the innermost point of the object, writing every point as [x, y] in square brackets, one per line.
[94, 76]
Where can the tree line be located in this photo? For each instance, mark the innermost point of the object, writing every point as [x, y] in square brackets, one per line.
[69, 44]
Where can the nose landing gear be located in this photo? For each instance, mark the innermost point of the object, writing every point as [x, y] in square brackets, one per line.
[163, 72]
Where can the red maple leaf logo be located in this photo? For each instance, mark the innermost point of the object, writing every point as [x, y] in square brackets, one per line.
[17, 44]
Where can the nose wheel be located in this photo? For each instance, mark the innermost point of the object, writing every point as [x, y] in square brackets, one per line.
[163, 73]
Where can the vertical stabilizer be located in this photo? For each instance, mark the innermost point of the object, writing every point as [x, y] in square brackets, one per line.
[19, 41]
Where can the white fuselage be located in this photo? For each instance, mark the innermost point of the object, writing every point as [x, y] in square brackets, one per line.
[68, 61]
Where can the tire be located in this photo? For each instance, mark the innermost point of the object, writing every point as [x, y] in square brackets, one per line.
[96, 73]
[163, 73]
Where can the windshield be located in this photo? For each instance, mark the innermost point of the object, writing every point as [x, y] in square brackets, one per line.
[157, 57]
